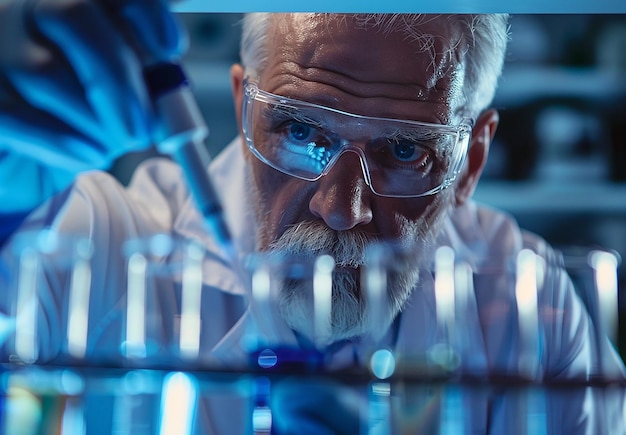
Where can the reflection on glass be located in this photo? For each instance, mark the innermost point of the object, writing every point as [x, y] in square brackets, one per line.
[48, 324]
[178, 404]
[163, 300]
[527, 311]
[379, 409]
[322, 299]
[261, 410]
[448, 385]
[605, 266]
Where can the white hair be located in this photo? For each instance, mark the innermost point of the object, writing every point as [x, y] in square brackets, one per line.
[486, 37]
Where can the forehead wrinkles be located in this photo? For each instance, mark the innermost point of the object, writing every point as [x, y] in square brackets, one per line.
[437, 41]
[438, 36]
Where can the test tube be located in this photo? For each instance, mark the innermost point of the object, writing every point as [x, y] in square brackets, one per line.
[163, 299]
[605, 265]
[135, 343]
[374, 280]
[444, 291]
[52, 281]
[444, 353]
[26, 347]
[463, 290]
[261, 295]
[382, 361]
[527, 311]
[78, 305]
[190, 320]
[322, 299]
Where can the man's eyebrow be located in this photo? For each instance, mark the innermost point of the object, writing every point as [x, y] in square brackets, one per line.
[290, 112]
[419, 134]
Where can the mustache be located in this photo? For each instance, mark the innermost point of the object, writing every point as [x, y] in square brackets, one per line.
[348, 248]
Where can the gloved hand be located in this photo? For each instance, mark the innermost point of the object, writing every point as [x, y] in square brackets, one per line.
[72, 95]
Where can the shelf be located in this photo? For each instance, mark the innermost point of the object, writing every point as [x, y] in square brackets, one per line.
[549, 197]
[520, 85]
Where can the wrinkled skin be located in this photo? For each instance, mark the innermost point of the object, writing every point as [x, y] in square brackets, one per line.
[373, 73]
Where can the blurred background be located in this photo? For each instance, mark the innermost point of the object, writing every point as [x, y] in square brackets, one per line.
[558, 163]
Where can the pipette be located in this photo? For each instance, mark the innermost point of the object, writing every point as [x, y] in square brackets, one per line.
[181, 134]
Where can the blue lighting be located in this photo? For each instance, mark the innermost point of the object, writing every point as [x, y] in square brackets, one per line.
[267, 359]
[383, 363]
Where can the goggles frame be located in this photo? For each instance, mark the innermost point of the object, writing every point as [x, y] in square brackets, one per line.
[463, 131]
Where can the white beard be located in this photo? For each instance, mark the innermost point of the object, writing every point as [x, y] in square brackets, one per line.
[350, 315]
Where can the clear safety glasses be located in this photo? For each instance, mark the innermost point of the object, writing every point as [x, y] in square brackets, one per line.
[399, 158]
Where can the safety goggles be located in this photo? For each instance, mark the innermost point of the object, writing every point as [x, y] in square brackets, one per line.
[399, 158]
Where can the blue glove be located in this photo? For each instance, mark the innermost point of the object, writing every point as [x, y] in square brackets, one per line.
[72, 96]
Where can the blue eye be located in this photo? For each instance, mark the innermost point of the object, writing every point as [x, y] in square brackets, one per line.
[403, 154]
[299, 131]
[404, 150]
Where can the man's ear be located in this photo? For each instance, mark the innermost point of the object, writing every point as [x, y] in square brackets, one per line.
[482, 135]
[236, 85]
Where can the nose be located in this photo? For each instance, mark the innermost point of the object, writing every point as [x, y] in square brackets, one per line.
[342, 198]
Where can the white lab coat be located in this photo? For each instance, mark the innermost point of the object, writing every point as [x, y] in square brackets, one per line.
[157, 201]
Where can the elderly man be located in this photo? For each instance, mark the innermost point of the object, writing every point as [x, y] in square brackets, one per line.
[355, 129]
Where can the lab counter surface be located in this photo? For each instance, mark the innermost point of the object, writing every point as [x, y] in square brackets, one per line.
[107, 400]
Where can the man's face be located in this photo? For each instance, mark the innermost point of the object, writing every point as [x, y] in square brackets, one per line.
[366, 72]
